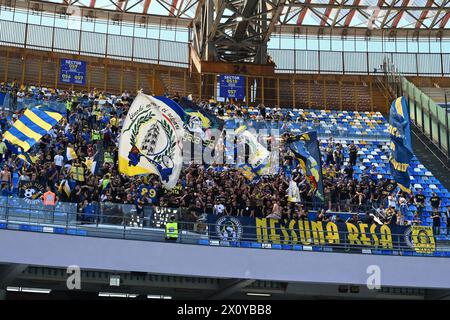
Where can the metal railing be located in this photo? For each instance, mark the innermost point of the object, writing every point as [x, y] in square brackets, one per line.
[144, 226]
[429, 118]
[336, 131]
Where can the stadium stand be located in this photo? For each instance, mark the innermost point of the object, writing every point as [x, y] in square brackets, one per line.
[368, 130]
[101, 100]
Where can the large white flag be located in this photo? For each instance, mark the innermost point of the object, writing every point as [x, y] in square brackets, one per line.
[150, 141]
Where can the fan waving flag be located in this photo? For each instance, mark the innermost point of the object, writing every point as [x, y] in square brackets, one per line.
[401, 150]
[306, 150]
[259, 161]
[200, 121]
[31, 127]
[151, 139]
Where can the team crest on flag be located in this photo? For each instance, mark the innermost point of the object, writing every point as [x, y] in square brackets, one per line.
[31, 192]
[150, 140]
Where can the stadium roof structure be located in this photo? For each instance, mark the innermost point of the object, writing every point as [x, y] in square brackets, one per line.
[376, 14]
[238, 30]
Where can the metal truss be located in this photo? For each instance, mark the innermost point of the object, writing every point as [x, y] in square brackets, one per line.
[364, 16]
[183, 9]
[239, 30]
[234, 30]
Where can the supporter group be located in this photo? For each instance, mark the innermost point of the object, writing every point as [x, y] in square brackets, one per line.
[91, 130]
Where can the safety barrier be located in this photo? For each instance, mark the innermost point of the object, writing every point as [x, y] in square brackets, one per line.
[431, 119]
[337, 132]
[124, 222]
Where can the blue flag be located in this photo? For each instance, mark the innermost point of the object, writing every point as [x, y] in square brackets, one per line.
[401, 150]
[306, 151]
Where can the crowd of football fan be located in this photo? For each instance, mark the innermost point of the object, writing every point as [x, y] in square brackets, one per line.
[92, 128]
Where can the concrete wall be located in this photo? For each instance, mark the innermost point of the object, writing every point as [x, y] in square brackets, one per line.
[219, 262]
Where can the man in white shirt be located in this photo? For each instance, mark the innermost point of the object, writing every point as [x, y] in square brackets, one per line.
[392, 201]
[218, 208]
[59, 160]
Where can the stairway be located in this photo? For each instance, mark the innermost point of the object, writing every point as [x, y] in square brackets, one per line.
[382, 96]
[430, 156]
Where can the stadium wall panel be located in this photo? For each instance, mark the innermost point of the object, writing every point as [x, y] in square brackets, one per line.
[120, 46]
[93, 43]
[171, 51]
[113, 79]
[307, 61]
[33, 71]
[286, 92]
[91, 253]
[66, 40]
[39, 36]
[429, 63]
[12, 33]
[130, 79]
[144, 82]
[405, 63]
[355, 62]
[446, 64]
[331, 62]
[50, 71]
[145, 50]
[3, 65]
[97, 76]
[15, 66]
[375, 60]
[285, 59]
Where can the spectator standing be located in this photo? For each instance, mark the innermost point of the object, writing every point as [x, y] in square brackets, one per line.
[400, 218]
[419, 201]
[353, 153]
[435, 202]
[329, 154]
[436, 217]
[6, 179]
[392, 201]
[219, 208]
[262, 110]
[416, 219]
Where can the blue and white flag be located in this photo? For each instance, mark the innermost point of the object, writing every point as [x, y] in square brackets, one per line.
[400, 146]
[151, 139]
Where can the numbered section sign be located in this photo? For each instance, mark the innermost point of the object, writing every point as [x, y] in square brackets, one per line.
[73, 72]
[232, 86]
